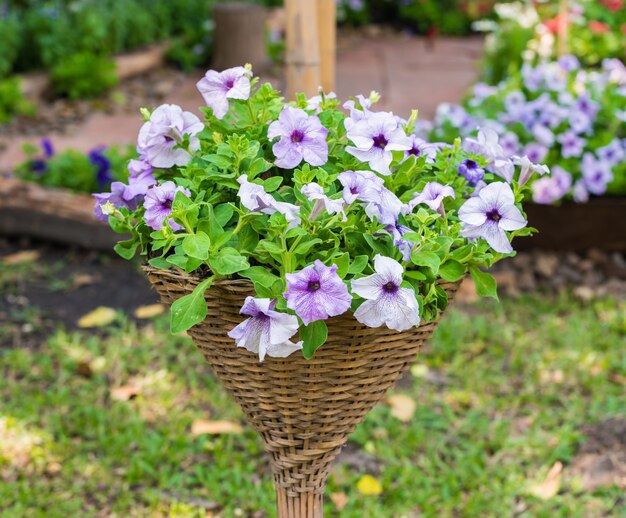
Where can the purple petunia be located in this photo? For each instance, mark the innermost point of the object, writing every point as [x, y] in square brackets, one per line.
[528, 168]
[432, 195]
[510, 143]
[160, 138]
[103, 165]
[317, 292]
[374, 138]
[254, 198]
[571, 144]
[158, 205]
[613, 153]
[490, 214]
[47, 147]
[386, 302]
[140, 179]
[404, 246]
[472, 172]
[596, 174]
[550, 189]
[218, 87]
[360, 185]
[419, 147]
[267, 331]
[535, 152]
[302, 137]
[115, 198]
[315, 192]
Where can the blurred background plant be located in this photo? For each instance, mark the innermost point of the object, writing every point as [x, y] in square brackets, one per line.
[83, 76]
[12, 100]
[75, 170]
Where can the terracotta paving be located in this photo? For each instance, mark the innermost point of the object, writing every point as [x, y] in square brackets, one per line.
[406, 71]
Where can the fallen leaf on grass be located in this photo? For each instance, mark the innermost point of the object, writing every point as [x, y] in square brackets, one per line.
[99, 317]
[203, 426]
[152, 310]
[124, 393]
[21, 257]
[340, 500]
[369, 486]
[551, 484]
[402, 407]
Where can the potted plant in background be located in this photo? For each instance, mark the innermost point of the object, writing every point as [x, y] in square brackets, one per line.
[309, 252]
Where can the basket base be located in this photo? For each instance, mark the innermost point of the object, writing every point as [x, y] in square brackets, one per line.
[303, 505]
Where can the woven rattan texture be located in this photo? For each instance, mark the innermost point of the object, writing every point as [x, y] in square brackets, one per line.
[303, 409]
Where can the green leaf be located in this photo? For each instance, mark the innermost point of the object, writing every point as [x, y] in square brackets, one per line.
[273, 183]
[358, 265]
[228, 261]
[178, 260]
[314, 335]
[429, 259]
[463, 253]
[190, 309]
[223, 213]
[305, 246]
[260, 275]
[485, 283]
[248, 238]
[451, 270]
[197, 245]
[343, 263]
[126, 249]
[159, 262]
[260, 165]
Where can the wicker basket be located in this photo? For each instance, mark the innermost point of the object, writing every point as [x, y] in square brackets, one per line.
[303, 409]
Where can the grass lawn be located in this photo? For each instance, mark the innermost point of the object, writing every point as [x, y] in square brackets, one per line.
[501, 396]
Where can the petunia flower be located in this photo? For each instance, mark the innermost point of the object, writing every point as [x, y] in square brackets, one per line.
[357, 113]
[317, 292]
[432, 195]
[218, 87]
[374, 138]
[115, 198]
[405, 247]
[386, 302]
[266, 332]
[360, 185]
[596, 174]
[535, 152]
[315, 192]
[160, 138]
[490, 214]
[613, 153]
[315, 102]
[419, 147]
[528, 168]
[472, 172]
[103, 165]
[254, 198]
[158, 205]
[385, 207]
[302, 137]
[571, 144]
[140, 179]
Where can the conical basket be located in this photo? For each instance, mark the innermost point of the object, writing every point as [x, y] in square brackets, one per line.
[303, 409]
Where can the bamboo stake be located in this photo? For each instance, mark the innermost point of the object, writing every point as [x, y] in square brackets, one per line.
[327, 32]
[303, 53]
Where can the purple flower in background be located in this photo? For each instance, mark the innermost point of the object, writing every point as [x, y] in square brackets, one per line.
[543, 135]
[432, 195]
[419, 147]
[550, 189]
[528, 168]
[317, 292]
[535, 152]
[569, 62]
[140, 179]
[158, 204]
[490, 214]
[386, 302]
[266, 332]
[38, 165]
[580, 192]
[571, 144]
[374, 138]
[254, 198]
[360, 185]
[160, 138]
[596, 174]
[510, 143]
[218, 87]
[404, 246]
[455, 115]
[586, 106]
[46, 146]
[552, 115]
[115, 198]
[302, 137]
[315, 192]
[613, 153]
[103, 165]
[472, 172]
[482, 90]
[487, 144]
[515, 101]
[579, 122]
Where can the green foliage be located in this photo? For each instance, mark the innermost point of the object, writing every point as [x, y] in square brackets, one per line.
[492, 416]
[84, 76]
[12, 100]
[74, 169]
